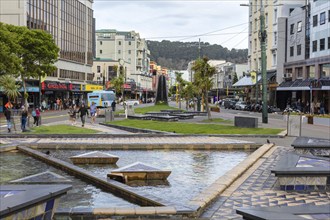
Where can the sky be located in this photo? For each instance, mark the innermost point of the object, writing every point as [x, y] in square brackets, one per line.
[222, 22]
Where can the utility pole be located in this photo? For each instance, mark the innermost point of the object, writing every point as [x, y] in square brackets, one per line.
[263, 38]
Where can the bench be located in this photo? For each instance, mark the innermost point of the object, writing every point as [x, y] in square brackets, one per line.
[246, 122]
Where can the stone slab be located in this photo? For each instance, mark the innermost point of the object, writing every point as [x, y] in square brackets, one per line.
[45, 177]
[307, 142]
[95, 157]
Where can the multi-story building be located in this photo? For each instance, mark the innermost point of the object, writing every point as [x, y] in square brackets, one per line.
[72, 26]
[307, 70]
[126, 47]
[275, 14]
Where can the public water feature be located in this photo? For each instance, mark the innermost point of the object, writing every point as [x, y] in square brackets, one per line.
[192, 171]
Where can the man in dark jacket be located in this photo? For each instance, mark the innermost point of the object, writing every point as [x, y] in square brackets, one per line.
[7, 114]
[83, 112]
[113, 105]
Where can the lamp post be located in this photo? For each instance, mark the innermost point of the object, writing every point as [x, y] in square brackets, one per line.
[262, 38]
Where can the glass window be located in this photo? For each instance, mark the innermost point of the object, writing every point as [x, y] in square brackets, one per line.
[292, 29]
[299, 26]
[314, 20]
[100, 51]
[311, 71]
[275, 16]
[291, 51]
[328, 42]
[98, 69]
[100, 42]
[322, 18]
[129, 51]
[119, 43]
[325, 70]
[119, 51]
[298, 49]
[322, 44]
[129, 43]
[314, 46]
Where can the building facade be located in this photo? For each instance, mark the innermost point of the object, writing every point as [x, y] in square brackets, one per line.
[307, 70]
[127, 47]
[72, 26]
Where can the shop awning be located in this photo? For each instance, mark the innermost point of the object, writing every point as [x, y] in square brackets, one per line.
[247, 80]
[298, 85]
[325, 83]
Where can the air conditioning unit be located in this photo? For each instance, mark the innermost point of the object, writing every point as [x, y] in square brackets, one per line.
[287, 75]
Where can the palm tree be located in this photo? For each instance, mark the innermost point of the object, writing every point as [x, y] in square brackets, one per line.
[8, 83]
[203, 79]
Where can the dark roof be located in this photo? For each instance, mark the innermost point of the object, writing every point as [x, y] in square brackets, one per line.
[286, 84]
[325, 81]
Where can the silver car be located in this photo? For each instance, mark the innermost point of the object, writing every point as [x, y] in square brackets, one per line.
[240, 105]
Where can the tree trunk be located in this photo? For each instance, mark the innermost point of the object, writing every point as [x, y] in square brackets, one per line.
[207, 106]
[202, 103]
[25, 95]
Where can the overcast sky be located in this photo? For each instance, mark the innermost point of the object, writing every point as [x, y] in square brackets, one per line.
[222, 22]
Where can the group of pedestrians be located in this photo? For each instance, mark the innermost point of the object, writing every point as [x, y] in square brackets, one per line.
[24, 117]
[82, 112]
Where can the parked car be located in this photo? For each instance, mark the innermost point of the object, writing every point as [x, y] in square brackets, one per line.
[130, 102]
[229, 103]
[240, 105]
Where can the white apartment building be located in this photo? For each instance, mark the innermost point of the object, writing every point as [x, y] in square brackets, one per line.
[128, 50]
[275, 12]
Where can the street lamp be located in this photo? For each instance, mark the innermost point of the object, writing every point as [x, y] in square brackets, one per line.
[262, 38]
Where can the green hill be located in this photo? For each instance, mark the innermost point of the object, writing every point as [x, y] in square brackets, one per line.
[176, 55]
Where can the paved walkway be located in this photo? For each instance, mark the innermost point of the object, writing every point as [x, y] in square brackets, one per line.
[257, 188]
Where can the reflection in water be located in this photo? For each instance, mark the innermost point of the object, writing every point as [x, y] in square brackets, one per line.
[14, 166]
[192, 171]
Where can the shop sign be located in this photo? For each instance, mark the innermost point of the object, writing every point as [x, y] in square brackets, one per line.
[30, 89]
[74, 87]
[54, 86]
[91, 87]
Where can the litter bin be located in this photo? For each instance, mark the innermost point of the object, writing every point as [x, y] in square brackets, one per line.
[108, 115]
[198, 104]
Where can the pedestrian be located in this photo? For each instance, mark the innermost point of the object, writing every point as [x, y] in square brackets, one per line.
[7, 114]
[93, 112]
[38, 116]
[34, 115]
[113, 105]
[83, 112]
[72, 115]
[24, 116]
[322, 110]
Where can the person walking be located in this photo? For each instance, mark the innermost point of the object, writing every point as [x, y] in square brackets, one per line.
[34, 115]
[24, 116]
[113, 105]
[38, 116]
[93, 112]
[7, 114]
[83, 112]
[72, 115]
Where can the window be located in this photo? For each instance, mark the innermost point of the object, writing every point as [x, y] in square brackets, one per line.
[98, 69]
[129, 43]
[275, 38]
[299, 72]
[129, 52]
[255, 24]
[101, 51]
[119, 51]
[291, 51]
[292, 29]
[275, 16]
[255, 44]
[274, 59]
[328, 42]
[329, 15]
[322, 18]
[298, 49]
[322, 44]
[100, 42]
[266, 19]
[299, 28]
[119, 43]
[314, 20]
[314, 46]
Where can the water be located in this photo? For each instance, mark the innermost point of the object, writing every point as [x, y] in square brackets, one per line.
[17, 165]
[192, 171]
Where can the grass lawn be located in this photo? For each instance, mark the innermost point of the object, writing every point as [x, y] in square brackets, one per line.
[154, 108]
[61, 129]
[193, 128]
[217, 120]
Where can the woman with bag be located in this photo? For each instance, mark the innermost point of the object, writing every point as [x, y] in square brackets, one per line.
[72, 115]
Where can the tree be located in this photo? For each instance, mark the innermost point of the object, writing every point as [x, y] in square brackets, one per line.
[9, 62]
[235, 79]
[37, 52]
[9, 86]
[203, 79]
[188, 92]
[180, 83]
[118, 82]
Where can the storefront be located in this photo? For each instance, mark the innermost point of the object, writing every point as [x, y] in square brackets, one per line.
[54, 90]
